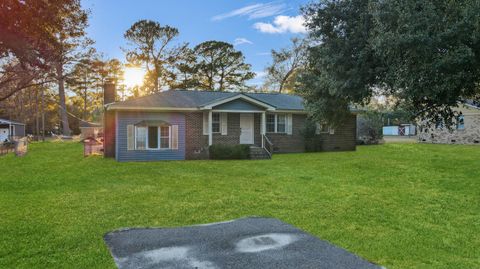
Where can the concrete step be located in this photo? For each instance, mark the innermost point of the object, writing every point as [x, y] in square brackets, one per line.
[258, 153]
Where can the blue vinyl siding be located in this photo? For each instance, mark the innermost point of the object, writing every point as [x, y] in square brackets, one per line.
[126, 118]
[239, 105]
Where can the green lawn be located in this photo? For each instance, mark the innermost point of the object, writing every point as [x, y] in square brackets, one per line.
[399, 205]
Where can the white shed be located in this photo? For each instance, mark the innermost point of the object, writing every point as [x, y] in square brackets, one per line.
[10, 129]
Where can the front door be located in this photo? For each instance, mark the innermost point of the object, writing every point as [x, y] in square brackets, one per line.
[246, 128]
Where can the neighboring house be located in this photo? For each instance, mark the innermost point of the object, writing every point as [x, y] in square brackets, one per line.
[181, 124]
[467, 130]
[11, 129]
[90, 129]
[405, 129]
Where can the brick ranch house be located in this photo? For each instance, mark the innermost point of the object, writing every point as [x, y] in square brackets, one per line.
[182, 124]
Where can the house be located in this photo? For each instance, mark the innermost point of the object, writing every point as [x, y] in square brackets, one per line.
[404, 129]
[90, 129]
[11, 129]
[182, 124]
[466, 131]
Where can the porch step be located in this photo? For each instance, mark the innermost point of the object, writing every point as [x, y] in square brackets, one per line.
[258, 153]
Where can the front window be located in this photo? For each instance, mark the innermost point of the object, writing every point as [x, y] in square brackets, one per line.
[460, 122]
[324, 128]
[165, 137]
[152, 137]
[141, 138]
[270, 123]
[281, 123]
[215, 122]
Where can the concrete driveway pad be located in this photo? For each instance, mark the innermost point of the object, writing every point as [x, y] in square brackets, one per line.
[265, 243]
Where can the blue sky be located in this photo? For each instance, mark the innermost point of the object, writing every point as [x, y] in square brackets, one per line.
[255, 27]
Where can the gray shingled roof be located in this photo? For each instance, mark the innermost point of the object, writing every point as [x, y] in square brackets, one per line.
[196, 99]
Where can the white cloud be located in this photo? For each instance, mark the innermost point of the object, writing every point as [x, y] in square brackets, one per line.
[254, 11]
[283, 24]
[241, 40]
[260, 74]
[264, 53]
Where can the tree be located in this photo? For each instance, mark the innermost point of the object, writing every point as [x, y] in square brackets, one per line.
[286, 64]
[183, 73]
[341, 67]
[152, 46]
[220, 66]
[71, 46]
[27, 42]
[424, 53]
[81, 81]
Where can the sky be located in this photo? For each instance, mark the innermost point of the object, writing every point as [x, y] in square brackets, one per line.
[254, 27]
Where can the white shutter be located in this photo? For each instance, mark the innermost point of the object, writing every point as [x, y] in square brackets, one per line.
[174, 138]
[130, 137]
[318, 128]
[223, 123]
[205, 123]
[289, 124]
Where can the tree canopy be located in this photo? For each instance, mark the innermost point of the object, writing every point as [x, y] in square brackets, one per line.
[220, 66]
[424, 53]
[152, 46]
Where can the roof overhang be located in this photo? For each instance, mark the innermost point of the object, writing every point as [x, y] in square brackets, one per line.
[241, 96]
[153, 109]
[10, 122]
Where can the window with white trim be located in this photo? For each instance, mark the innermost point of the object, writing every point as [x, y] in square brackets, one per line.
[276, 123]
[270, 123]
[152, 137]
[165, 137]
[324, 128]
[460, 122]
[281, 123]
[141, 138]
[215, 122]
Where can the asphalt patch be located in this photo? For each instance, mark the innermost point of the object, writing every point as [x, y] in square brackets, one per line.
[264, 243]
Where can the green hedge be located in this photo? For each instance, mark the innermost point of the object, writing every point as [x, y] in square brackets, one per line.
[229, 152]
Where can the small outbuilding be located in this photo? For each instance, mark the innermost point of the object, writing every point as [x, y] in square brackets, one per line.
[10, 130]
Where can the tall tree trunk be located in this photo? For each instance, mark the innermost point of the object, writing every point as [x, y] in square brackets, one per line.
[37, 124]
[85, 97]
[284, 80]
[63, 106]
[157, 75]
[42, 112]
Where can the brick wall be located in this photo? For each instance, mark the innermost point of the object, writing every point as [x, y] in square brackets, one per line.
[195, 142]
[344, 137]
[290, 143]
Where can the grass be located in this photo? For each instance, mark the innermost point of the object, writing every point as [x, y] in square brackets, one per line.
[399, 205]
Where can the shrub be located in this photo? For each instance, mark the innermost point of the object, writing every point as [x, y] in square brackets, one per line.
[229, 152]
[312, 141]
[369, 128]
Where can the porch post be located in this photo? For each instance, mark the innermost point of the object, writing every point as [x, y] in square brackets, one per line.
[263, 123]
[210, 127]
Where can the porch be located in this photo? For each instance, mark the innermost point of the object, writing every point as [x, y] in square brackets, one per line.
[239, 127]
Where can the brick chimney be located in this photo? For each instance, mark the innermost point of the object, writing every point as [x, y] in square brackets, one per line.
[109, 96]
[109, 92]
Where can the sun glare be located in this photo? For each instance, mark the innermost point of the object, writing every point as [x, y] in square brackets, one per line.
[133, 76]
